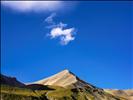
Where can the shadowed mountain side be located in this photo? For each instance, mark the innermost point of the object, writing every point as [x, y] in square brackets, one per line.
[11, 81]
[38, 87]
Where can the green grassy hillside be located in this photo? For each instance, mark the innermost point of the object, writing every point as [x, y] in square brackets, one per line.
[53, 93]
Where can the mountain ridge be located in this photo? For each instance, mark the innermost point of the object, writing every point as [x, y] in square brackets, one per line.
[12, 81]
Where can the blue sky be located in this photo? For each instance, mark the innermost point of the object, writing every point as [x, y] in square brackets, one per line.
[100, 52]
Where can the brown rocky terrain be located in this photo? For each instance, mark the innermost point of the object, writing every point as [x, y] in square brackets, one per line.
[122, 93]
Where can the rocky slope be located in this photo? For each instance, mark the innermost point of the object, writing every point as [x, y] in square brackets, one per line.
[67, 79]
[64, 78]
[121, 93]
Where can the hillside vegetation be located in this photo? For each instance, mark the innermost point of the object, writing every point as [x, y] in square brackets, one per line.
[53, 93]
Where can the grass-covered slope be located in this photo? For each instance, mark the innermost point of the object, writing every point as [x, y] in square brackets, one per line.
[54, 93]
[15, 93]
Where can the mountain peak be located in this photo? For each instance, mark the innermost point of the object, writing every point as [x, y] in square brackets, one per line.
[66, 71]
[64, 78]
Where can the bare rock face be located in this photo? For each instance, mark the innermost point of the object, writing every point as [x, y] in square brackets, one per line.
[64, 78]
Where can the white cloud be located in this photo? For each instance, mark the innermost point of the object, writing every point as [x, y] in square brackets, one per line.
[59, 30]
[64, 34]
[36, 6]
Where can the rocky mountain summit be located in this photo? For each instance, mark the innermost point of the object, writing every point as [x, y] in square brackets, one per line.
[64, 78]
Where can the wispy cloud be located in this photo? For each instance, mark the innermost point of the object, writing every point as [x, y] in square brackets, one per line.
[50, 18]
[36, 6]
[59, 30]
